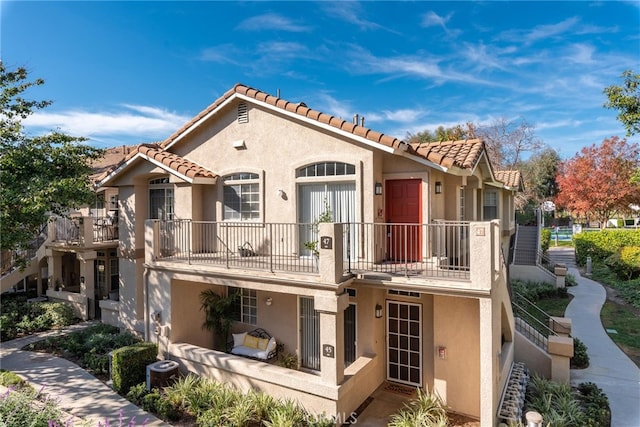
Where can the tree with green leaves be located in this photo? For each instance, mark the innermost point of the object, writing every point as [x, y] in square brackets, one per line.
[39, 175]
[626, 99]
[539, 173]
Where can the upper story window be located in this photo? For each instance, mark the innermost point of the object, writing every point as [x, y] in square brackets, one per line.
[161, 200]
[242, 197]
[327, 169]
[490, 206]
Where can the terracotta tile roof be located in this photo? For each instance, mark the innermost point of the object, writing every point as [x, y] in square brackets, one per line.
[463, 154]
[296, 108]
[112, 157]
[512, 179]
[175, 162]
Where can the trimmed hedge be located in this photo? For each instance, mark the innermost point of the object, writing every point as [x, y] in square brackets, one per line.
[600, 245]
[129, 365]
[625, 262]
[545, 239]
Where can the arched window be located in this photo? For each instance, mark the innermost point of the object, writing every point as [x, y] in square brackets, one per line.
[161, 199]
[326, 169]
[242, 197]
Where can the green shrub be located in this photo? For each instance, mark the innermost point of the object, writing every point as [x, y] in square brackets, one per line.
[150, 401]
[129, 365]
[137, 393]
[600, 245]
[545, 239]
[10, 379]
[580, 359]
[625, 263]
[595, 404]
[535, 291]
[28, 408]
[20, 317]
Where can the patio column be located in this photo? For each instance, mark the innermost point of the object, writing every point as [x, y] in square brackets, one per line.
[331, 309]
[488, 364]
[87, 262]
[330, 248]
[55, 267]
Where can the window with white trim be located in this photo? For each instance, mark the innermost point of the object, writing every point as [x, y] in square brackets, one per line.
[241, 197]
[462, 213]
[490, 205]
[326, 169]
[245, 308]
[161, 199]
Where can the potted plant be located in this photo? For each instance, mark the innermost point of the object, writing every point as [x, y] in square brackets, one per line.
[218, 315]
[325, 216]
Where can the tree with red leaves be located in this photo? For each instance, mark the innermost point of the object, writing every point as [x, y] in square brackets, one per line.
[598, 183]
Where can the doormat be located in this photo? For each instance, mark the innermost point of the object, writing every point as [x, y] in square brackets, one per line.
[399, 389]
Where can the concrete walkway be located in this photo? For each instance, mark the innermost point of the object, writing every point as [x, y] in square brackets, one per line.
[609, 367]
[78, 392]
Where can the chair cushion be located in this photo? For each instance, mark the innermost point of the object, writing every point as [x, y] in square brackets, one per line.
[262, 343]
[251, 341]
[238, 339]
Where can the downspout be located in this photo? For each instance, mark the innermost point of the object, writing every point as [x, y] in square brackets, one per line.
[145, 279]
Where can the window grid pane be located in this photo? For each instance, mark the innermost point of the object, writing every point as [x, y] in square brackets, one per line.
[241, 200]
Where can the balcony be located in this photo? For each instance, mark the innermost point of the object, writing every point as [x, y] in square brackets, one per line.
[447, 250]
[83, 231]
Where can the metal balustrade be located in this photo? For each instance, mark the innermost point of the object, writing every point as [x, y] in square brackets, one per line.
[528, 321]
[440, 249]
[73, 232]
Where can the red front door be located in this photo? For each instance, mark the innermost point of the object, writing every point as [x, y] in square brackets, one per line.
[403, 207]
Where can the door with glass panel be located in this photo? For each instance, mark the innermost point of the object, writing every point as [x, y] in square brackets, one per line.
[337, 199]
[309, 335]
[404, 343]
[350, 338]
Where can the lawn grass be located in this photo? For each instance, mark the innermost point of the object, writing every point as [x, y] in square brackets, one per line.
[554, 306]
[624, 321]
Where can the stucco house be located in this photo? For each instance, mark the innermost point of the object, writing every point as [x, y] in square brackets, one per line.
[371, 259]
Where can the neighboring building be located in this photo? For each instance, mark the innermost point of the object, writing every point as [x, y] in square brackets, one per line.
[407, 283]
[75, 258]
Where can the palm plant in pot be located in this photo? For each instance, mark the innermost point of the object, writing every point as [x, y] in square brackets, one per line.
[218, 315]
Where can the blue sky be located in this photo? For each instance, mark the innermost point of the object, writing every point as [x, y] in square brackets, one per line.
[132, 72]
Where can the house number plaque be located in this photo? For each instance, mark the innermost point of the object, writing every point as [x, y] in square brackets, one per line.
[328, 351]
[326, 242]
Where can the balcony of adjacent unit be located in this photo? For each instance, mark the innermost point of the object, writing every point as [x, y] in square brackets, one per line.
[443, 254]
[83, 232]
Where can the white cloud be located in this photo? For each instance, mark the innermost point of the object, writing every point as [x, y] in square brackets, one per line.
[353, 13]
[141, 122]
[432, 19]
[224, 54]
[581, 53]
[272, 21]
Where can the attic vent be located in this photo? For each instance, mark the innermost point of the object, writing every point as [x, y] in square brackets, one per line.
[243, 113]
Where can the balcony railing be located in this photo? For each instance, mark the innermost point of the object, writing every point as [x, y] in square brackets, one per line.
[84, 230]
[436, 250]
[440, 249]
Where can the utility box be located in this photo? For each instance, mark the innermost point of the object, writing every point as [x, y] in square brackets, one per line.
[160, 373]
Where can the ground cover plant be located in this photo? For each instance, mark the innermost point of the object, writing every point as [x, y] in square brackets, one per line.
[20, 317]
[208, 403]
[426, 410]
[21, 405]
[562, 406]
[88, 348]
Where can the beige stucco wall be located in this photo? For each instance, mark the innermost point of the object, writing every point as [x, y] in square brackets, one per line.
[457, 377]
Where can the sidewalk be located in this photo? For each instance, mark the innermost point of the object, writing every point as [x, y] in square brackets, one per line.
[609, 367]
[79, 393]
